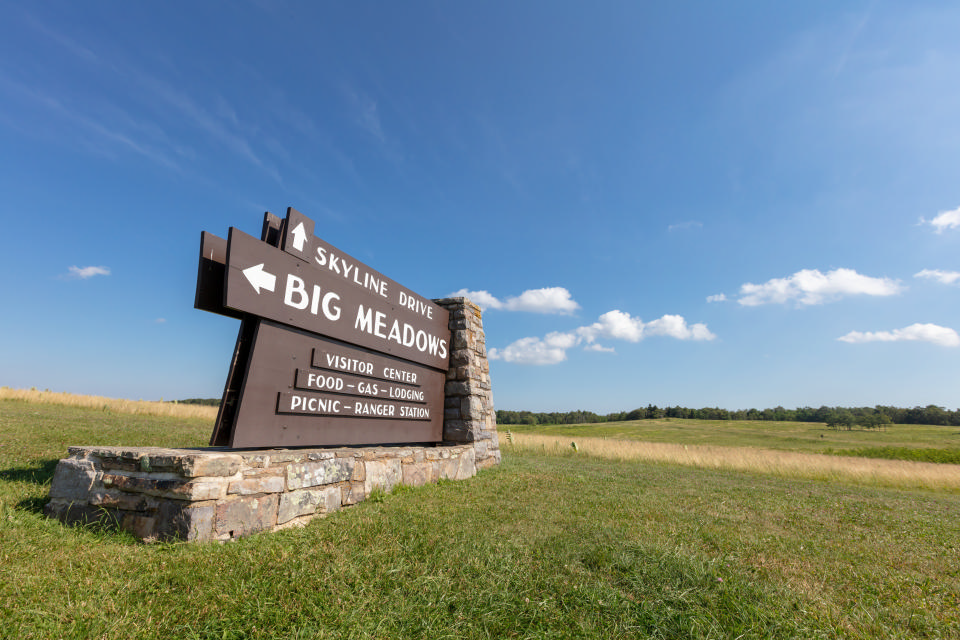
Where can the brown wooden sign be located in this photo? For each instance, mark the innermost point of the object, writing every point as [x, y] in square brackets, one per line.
[330, 351]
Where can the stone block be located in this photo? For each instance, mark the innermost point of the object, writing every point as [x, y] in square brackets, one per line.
[257, 484]
[141, 526]
[72, 479]
[466, 467]
[449, 468]
[167, 487]
[123, 501]
[197, 465]
[352, 493]
[282, 457]
[118, 464]
[183, 521]
[308, 501]
[257, 461]
[417, 474]
[456, 431]
[458, 388]
[382, 474]
[246, 515]
[493, 459]
[472, 408]
[313, 474]
[359, 472]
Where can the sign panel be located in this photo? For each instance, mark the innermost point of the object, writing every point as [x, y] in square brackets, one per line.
[288, 400]
[362, 309]
[330, 351]
[211, 276]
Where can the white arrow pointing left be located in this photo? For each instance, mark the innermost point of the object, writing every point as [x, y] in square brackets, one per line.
[259, 278]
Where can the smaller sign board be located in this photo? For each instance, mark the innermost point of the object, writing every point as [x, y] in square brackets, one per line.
[303, 389]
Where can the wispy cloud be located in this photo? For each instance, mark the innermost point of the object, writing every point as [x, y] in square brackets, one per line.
[596, 346]
[83, 273]
[944, 220]
[95, 133]
[685, 226]
[720, 297]
[366, 114]
[546, 300]
[935, 334]
[75, 48]
[221, 127]
[105, 122]
[944, 277]
[810, 286]
[613, 325]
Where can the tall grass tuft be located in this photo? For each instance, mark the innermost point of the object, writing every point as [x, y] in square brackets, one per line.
[136, 407]
[788, 464]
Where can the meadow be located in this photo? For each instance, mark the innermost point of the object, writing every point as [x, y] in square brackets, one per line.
[554, 543]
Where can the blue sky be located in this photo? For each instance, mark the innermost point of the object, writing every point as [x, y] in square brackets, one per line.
[741, 204]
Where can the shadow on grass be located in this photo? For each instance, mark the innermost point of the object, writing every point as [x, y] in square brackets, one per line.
[33, 505]
[41, 474]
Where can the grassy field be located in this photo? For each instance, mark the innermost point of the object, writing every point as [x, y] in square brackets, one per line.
[552, 544]
[808, 437]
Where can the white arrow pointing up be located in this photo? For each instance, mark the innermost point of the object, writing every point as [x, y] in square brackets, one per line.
[259, 278]
[299, 237]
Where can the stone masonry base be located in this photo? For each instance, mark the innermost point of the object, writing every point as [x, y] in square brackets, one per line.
[211, 494]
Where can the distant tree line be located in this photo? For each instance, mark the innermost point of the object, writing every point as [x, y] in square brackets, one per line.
[209, 402]
[834, 417]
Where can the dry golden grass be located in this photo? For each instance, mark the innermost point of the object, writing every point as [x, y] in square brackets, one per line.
[141, 407]
[861, 471]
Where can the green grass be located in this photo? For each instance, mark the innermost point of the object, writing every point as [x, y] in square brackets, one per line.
[808, 437]
[541, 547]
[939, 456]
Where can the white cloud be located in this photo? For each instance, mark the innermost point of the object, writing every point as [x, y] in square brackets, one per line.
[943, 336]
[546, 300]
[676, 327]
[944, 220]
[944, 277]
[615, 325]
[809, 286]
[88, 272]
[552, 349]
[720, 297]
[619, 325]
[484, 299]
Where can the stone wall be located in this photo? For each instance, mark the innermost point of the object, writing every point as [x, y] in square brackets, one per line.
[219, 494]
[469, 416]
